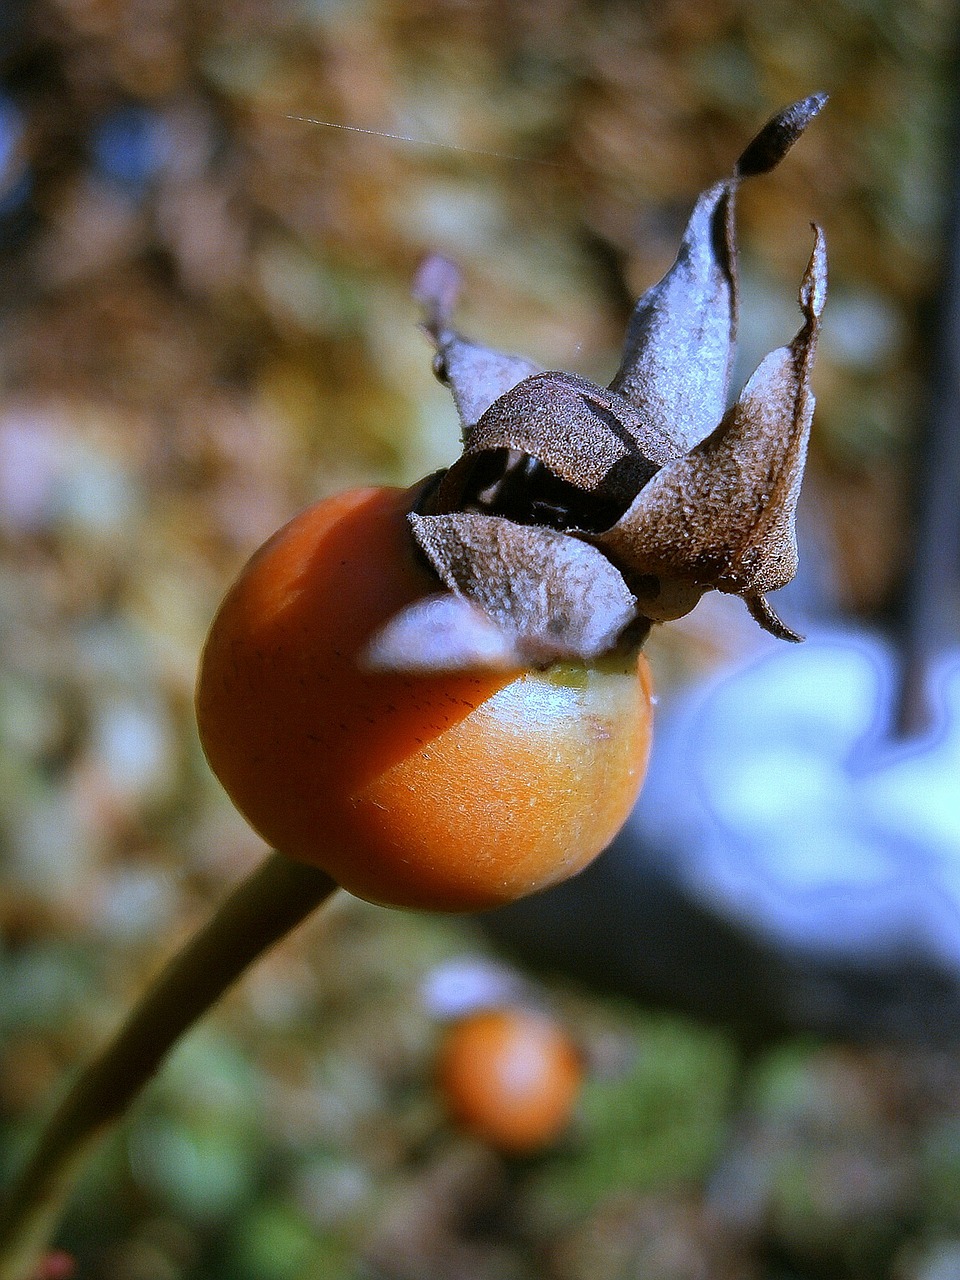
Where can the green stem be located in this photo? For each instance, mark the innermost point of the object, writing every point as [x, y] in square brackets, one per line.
[260, 911]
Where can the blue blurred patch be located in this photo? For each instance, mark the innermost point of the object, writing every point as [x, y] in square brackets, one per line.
[129, 148]
[16, 180]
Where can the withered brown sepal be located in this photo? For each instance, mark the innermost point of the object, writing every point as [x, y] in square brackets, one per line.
[578, 514]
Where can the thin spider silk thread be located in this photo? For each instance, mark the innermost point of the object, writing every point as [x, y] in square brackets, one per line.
[423, 142]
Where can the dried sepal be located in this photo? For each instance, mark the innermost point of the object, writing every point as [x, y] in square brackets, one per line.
[442, 633]
[723, 515]
[577, 513]
[680, 341]
[553, 596]
[765, 151]
[581, 433]
[476, 375]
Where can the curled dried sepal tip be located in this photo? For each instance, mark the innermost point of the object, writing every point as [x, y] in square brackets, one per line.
[577, 514]
[476, 375]
[722, 516]
[778, 135]
[436, 287]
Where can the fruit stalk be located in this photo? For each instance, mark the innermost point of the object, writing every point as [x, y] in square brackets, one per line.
[261, 910]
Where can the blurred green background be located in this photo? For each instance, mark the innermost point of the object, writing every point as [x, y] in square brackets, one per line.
[205, 324]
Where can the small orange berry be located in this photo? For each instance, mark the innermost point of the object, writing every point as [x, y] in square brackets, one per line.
[510, 1077]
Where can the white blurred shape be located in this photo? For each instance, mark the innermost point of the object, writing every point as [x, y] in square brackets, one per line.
[457, 987]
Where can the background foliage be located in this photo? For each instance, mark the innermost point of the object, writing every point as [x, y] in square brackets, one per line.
[205, 325]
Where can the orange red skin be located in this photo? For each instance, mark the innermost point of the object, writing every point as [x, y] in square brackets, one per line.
[510, 1078]
[448, 792]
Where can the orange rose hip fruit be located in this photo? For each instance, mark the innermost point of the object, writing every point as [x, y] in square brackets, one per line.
[448, 791]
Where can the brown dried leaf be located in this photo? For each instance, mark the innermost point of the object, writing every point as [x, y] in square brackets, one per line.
[554, 596]
[723, 516]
